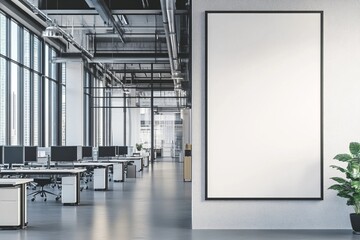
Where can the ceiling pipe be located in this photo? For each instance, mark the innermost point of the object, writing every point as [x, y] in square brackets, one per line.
[69, 38]
[167, 34]
[106, 15]
[168, 12]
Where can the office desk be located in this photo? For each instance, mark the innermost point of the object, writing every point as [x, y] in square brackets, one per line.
[138, 161]
[118, 167]
[13, 203]
[70, 191]
[101, 175]
[131, 170]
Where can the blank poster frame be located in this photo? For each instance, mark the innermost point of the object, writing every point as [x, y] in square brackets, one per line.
[209, 108]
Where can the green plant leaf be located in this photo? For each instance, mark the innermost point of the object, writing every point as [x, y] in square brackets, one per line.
[337, 187]
[350, 202]
[354, 148]
[353, 170]
[339, 180]
[344, 157]
[339, 168]
[344, 195]
[356, 197]
[356, 185]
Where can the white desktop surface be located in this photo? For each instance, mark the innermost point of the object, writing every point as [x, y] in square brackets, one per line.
[92, 164]
[131, 158]
[49, 171]
[14, 181]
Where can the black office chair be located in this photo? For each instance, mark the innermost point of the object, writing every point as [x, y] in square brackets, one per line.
[42, 182]
[86, 177]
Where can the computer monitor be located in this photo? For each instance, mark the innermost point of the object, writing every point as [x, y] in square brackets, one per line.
[31, 153]
[66, 153]
[87, 152]
[122, 150]
[106, 151]
[13, 155]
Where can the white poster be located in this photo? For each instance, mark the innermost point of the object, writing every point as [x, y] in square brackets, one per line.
[264, 105]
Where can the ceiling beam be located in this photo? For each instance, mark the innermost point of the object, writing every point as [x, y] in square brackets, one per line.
[164, 70]
[106, 15]
[154, 81]
[114, 12]
[128, 60]
[131, 55]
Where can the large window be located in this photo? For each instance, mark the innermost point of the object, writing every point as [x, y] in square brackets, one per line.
[29, 92]
[14, 83]
[63, 104]
[97, 120]
[87, 110]
[36, 91]
[51, 88]
[3, 76]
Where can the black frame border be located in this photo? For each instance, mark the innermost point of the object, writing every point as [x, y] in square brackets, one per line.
[321, 13]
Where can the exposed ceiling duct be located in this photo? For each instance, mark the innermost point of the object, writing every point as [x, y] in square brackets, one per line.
[106, 15]
[168, 13]
[109, 51]
[57, 30]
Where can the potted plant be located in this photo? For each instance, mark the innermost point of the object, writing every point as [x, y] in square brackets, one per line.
[138, 146]
[349, 187]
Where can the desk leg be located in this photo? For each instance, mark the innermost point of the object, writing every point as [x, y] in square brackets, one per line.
[23, 206]
[107, 177]
[77, 188]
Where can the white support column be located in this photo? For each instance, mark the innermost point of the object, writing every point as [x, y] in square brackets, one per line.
[74, 103]
[134, 126]
[117, 117]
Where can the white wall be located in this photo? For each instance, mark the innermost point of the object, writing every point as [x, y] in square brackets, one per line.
[341, 121]
[74, 103]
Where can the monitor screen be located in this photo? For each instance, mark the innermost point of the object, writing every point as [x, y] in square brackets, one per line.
[31, 153]
[87, 152]
[64, 154]
[106, 151]
[122, 150]
[13, 155]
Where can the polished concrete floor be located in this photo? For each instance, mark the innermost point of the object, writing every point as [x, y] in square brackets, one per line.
[156, 205]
